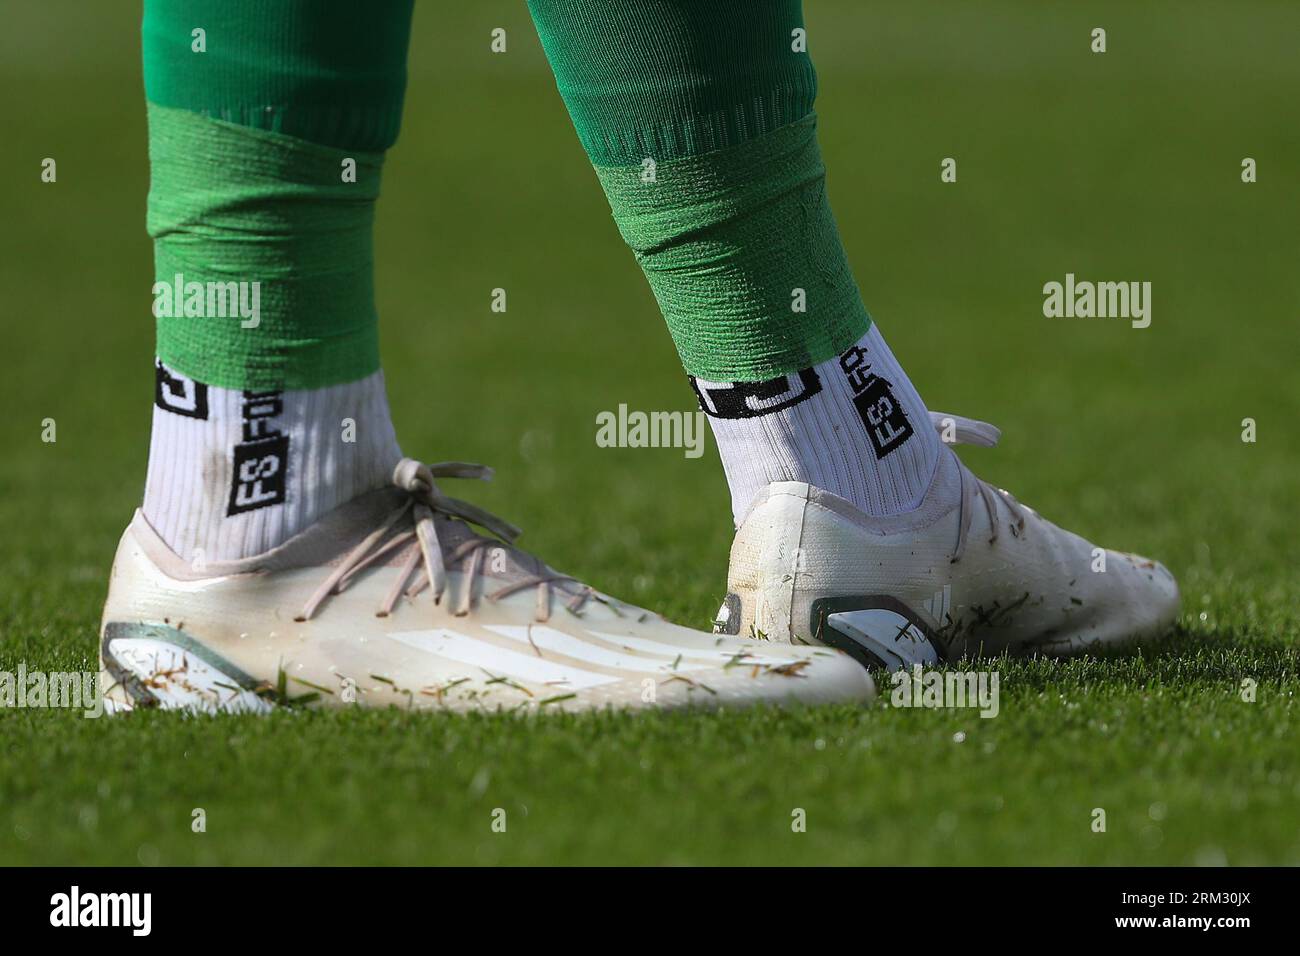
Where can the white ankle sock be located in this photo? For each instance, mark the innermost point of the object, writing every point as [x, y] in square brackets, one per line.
[853, 425]
[234, 473]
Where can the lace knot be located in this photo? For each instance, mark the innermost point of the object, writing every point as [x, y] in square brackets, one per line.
[426, 505]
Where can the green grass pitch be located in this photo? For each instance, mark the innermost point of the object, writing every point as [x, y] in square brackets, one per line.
[1123, 165]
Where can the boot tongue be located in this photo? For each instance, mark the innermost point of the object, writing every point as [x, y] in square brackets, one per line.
[965, 431]
[328, 540]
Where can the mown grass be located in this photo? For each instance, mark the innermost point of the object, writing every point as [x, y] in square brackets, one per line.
[1122, 166]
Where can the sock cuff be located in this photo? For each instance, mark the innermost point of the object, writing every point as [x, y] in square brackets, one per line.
[263, 254]
[329, 71]
[742, 253]
[665, 79]
[235, 472]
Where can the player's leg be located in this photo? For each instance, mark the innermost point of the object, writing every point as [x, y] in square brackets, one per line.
[856, 524]
[285, 550]
[698, 118]
[267, 134]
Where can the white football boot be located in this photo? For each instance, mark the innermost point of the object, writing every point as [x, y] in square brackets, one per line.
[971, 572]
[394, 600]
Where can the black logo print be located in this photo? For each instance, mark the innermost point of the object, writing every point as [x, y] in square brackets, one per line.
[180, 395]
[751, 399]
[882, 415]
[262, 458]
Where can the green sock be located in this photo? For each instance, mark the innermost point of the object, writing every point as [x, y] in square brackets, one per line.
[698, 118]
[257, 115]
[267, 129]
[329, 71]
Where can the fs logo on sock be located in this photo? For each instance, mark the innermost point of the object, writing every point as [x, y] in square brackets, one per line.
[751, 399]
[180, 395]
[262, 458]
[882, 416]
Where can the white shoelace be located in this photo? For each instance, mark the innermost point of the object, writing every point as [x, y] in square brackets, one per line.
[971, 431]
[425, 502]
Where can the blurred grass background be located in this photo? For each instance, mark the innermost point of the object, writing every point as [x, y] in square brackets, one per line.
[1118, 166]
